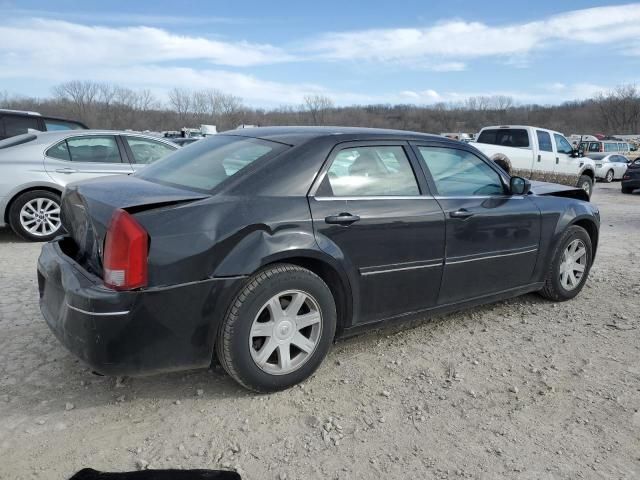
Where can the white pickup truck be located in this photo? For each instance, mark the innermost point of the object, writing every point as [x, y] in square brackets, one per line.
[538, 154]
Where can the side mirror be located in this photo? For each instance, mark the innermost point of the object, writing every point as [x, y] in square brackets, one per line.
[576, 153]
[519, 186]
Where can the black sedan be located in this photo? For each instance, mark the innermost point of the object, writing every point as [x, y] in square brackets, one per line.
[264, 245]
[631, 178]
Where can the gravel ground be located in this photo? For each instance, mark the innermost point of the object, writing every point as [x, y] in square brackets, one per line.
[519, 389]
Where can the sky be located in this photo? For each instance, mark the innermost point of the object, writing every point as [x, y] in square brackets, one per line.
[275, 53]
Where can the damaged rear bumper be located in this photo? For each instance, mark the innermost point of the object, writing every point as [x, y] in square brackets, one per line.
[132, 332]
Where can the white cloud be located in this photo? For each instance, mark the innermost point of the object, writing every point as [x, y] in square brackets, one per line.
[56, 43]
[461, 39]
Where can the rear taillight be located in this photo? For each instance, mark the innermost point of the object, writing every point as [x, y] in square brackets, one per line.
[125, 253]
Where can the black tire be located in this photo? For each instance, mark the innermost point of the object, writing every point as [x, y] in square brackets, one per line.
[627, 190]
[553, 289]
[232, 344]
[583, 181]
[16, 207]
[608, 178]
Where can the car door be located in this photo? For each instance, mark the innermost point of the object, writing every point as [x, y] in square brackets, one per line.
[82, 157]
[143, 151]
[544, 163]
[492, 237]
[566, 167]
[372, 212]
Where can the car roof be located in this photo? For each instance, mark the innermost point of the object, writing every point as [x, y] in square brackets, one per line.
[52, 136]
[299, 135]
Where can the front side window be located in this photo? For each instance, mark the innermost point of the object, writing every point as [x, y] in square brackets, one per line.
[460, 173]
[562, 144]
[370, 171]
[147, 151]
[208, 162]
[544, 141]
[94, 149]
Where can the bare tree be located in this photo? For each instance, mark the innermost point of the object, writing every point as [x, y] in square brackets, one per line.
[181, 101]
[81, 94]
[318, 105]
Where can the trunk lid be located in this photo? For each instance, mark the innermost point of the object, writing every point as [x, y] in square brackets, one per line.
[87, 208]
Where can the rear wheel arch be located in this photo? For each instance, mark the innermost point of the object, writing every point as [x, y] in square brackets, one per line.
[337, 283]
[503, 162]
[26, 190]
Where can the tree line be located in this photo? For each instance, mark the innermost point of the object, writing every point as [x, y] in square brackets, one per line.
[109, 106]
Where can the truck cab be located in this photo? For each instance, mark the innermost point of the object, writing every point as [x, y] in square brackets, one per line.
[536, 153]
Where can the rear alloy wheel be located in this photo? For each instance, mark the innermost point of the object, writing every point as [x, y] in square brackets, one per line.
[586, 183]
[609, 177]
[35, 215]
[278, 329]
[570, 265]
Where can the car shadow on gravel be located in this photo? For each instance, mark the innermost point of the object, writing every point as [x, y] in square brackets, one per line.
[61, 380]
[7, 236]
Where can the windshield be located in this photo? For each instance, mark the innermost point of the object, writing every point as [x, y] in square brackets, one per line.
[207, 163]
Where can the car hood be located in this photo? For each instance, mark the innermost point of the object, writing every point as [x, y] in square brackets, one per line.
[557, 190]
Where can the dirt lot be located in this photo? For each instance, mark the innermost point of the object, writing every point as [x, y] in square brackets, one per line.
[519, 389]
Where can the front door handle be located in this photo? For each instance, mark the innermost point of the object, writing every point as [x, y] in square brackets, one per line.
[462, 213]
[66, 170]
[557, 160]
[342, 219]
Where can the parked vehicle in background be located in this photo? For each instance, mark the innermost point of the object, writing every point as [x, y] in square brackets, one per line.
[263, 245]
[182, 141]
[609, 166]
[17, 122]
[36, 167]
[631, 178]
[537, 154]
[605, 146]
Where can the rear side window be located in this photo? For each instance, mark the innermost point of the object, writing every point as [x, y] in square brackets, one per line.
[544, 141]
[610, 147]
[507, 137]
[56, 125]
[59, 151]
[95, 149]
[17, 125]
[209, 162]
[370, 171]
[594, 147]
[146, 151]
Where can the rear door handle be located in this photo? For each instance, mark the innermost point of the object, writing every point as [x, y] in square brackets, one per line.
[462, 213]
[66, 170]
[342, 219]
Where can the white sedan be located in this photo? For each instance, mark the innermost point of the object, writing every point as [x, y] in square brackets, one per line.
[609, 166]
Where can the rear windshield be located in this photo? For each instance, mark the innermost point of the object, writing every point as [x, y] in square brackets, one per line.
[17, 140]
[507, 137]
[207, 163]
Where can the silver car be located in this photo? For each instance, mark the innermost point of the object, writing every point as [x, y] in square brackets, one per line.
[609, 166]
[35, 168]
